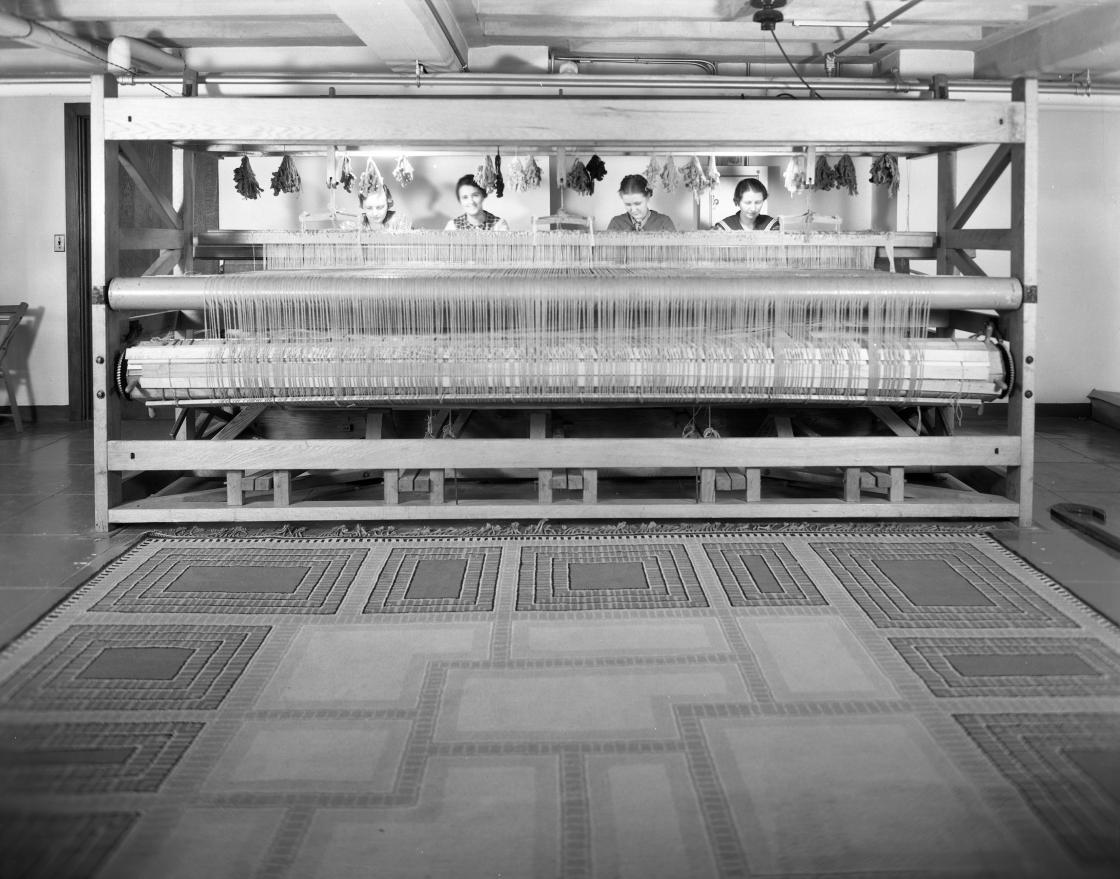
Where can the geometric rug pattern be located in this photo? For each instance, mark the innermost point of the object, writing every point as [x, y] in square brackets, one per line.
[916, 585]
[1068, 768]
[608, 576]
[434, 578]
[703, 704]
[232, 580]
[758, 574]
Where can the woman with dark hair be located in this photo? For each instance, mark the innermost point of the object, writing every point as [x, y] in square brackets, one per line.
[750, 196]
[379, 213]
[474, 216]
[639, 217]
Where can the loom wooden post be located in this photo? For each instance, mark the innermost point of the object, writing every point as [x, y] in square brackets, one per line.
[106, 333]
[707, 485]
[538, 429]
[377, 423]
[946, 204]
[281, 488]
[754, 485]
[851, 485]
[898, 485]
[590, 486]
[1021, 323]
[235, 495]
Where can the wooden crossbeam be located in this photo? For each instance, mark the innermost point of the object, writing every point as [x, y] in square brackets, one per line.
[164, 263]
[133, 163]
[965, 263]
[997, 163]
[237, 425]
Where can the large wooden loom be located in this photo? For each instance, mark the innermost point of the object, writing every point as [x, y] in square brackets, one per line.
[870, 471]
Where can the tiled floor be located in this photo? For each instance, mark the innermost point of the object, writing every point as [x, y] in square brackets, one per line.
[48, 546]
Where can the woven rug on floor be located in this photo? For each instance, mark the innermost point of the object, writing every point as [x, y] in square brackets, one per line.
[694, 704]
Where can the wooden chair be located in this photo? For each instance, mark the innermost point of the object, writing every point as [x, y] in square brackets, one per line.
[809, 222]
[10, 316]
[562, 220]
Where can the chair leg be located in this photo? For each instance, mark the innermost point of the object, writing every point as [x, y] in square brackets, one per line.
[12, 401]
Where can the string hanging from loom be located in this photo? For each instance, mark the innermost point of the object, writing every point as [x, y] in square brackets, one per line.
[520, 335]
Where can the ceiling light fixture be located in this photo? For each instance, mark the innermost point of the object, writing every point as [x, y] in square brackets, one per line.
[768, 13]
[806, 22]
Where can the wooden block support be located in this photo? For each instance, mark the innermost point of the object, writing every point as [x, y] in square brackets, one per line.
[435, 487]
[851, 485]
[898, 485]
[707, 485]
[590, 486]
[235, 495]
[281, 488]
[389, 480]
[754, 484]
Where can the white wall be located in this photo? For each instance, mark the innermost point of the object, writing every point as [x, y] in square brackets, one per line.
[1079, 232]
[1078, 346]
[32, 185]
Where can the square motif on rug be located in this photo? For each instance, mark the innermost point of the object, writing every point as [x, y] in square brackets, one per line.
[607, 577]
[73, 844]
[934, 585]
[88, 758]
[94, 668]
[761, 575]
[433, 579]
[1012, 666]
[1067, 767]
[223, 579]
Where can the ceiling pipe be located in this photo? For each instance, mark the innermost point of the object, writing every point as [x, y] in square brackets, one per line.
[135, 56]
[533, 84]
[705, 65]
[13, 27]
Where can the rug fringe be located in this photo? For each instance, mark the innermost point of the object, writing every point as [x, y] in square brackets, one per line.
[547, 527]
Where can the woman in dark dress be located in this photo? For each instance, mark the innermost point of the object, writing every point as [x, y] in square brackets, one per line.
[635, 193]
[750, 196]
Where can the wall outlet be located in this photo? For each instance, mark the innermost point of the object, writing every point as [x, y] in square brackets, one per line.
[59, 243]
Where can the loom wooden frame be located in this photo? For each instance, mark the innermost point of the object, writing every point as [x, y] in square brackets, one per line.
[202, 125]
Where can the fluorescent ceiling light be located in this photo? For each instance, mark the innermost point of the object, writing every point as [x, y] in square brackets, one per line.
[806, 22]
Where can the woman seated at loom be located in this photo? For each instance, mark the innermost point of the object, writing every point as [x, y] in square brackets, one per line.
[750, 196]
[639, 217]
[379, 213]
[474, 216]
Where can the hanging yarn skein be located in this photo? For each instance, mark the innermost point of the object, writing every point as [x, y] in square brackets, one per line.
[286, 177]
[246, 180]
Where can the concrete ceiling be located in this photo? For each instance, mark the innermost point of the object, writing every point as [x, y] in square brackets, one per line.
[42, 38]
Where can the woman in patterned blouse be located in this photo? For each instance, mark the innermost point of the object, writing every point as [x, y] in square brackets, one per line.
[471, 196]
